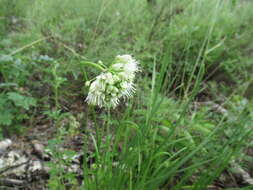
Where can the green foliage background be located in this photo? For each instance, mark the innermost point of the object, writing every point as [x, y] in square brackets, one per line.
[195, 57]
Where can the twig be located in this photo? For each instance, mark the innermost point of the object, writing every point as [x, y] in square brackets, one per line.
[71, 50]
[11, 182]
[214, 106]
[245, 175]
[29, 45]
[12, 167]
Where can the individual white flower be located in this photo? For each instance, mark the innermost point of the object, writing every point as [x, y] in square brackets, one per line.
[87, 83]
[127, 66]
[127, 63]
[128, 89]
[125, 58]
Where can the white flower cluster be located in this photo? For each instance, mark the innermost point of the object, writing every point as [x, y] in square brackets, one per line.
[116, 82]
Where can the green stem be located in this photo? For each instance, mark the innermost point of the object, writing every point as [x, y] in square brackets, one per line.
[94, 65]
[56, 97]
[108, 122]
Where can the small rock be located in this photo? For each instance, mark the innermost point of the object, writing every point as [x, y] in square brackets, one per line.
[39, 150]
[4, 145]
[13, 163]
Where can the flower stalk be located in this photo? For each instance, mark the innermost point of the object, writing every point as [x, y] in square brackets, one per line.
[95, 65]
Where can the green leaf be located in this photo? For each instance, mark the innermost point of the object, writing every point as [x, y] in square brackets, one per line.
[6, 58]
[21, 101]
[6, 118]
[8, 84]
